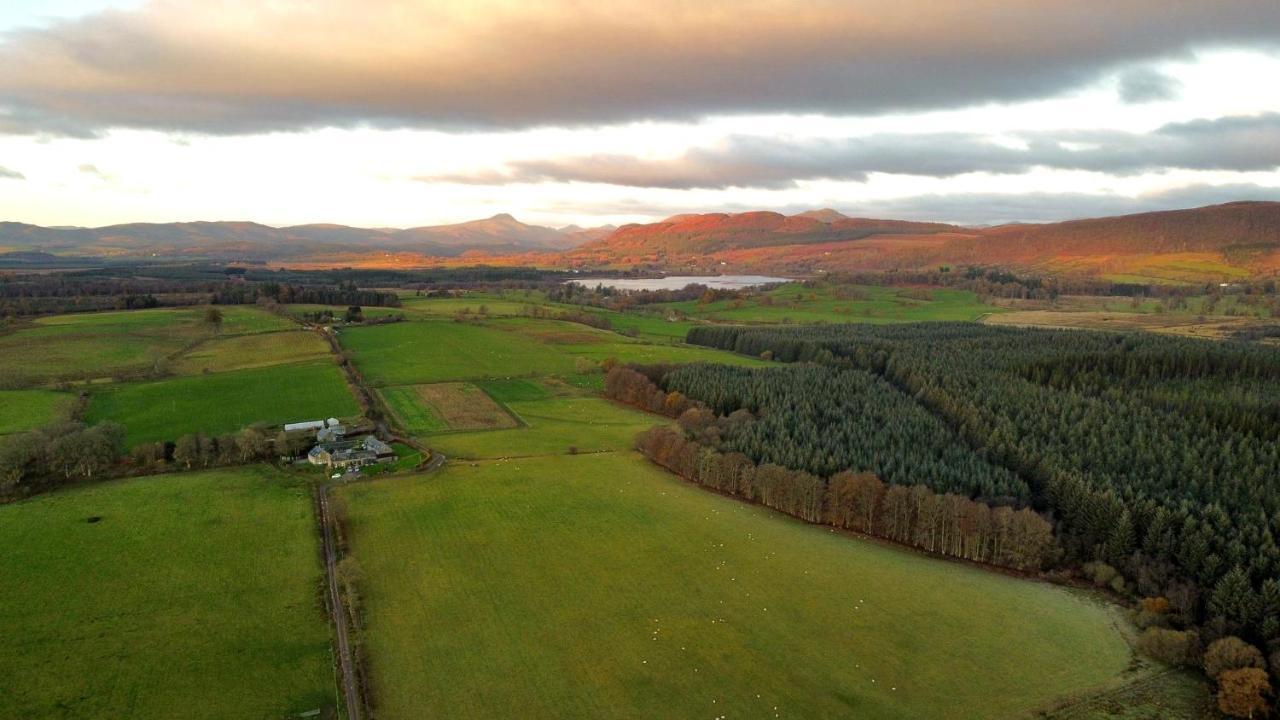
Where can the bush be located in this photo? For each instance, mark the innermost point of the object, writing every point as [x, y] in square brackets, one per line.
[1145, 619]
[1171, 647]
[1231, 653]
[1155, 605]
[1100, 573]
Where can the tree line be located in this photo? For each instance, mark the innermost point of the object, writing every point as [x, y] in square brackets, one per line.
[904, 511]
[46, 458]
[41, 294]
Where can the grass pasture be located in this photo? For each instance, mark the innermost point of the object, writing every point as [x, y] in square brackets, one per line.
[597, 586]
[445, 406]
[193, 596]
[98, 345]
[432, 351]
[241, 352]
[22, 410]
[223, 402]
[1185, 325]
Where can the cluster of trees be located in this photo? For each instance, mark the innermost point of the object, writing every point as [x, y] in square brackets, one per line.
[582, 317]
[1238, 668]
[945, 524]
[61, 453]
[251, 444]
[344, 293]
[57, 454]
[824, 420]
[353, 314]
[615, 299]
[1136, 443]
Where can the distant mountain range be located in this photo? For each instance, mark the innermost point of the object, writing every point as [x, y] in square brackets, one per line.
[231, 241]
[1215, 243]
[1219, 242]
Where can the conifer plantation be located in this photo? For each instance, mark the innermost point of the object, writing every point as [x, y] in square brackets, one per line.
[1156, 455]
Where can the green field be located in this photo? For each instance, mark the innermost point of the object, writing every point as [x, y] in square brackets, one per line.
[411, 353]
[27, 409]
[557, 424]
[794, 303]
[194, 596]
[100, 345]
[597, 586]
[223, 402]
[240, 352]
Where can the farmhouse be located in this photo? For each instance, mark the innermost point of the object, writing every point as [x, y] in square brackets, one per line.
[351, 453]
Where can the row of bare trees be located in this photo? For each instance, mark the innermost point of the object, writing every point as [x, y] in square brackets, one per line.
[945, 524]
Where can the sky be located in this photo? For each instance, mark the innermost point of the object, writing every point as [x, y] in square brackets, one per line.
[399, 113]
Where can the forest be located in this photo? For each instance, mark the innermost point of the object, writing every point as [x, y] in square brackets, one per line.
[926, 509]
[53, 293]
[1153, 454]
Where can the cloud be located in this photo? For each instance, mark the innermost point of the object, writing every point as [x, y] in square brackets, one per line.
[1143, 85]
[93, 170]
[246, 66]
[1242, 144]
[7, 174]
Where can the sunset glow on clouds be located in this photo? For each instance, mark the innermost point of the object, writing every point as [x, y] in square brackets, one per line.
[410, 113]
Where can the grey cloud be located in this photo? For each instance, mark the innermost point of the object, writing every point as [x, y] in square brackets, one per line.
[1233, 143]
[7, 174]
[182, 65]
[1143, 85]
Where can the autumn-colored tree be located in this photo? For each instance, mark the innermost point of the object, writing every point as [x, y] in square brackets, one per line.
[1243, 693]
[1231, 653]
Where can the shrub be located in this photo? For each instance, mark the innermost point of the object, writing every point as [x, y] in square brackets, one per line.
[1170, 647]
[1100, 573]
[1155, 605]
[1231, 653]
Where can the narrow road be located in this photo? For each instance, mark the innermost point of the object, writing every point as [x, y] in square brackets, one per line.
[346, 665]
[337, 611]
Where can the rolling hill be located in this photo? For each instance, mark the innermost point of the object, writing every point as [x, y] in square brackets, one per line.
[1215, 243]
[1219, 242]
[229, 241]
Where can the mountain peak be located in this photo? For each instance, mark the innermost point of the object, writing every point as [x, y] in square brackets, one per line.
[504, 217]
[825, 215]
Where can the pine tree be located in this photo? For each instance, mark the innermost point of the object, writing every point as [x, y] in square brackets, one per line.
[1233, 599]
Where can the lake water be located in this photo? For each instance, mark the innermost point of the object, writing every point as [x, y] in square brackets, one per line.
[677, 282]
